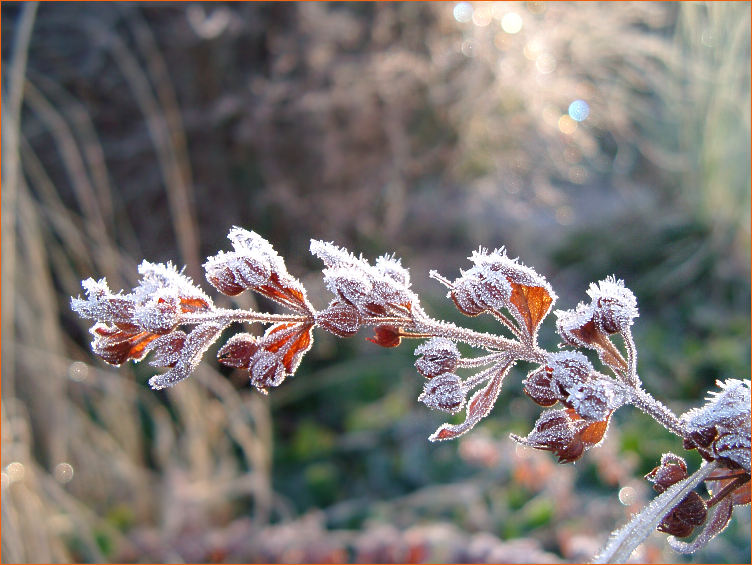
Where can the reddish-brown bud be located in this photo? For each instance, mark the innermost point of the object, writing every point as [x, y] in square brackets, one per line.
[539, 387]
[671, 470]
[340, 318]
[463, 296]
[386, 336]
[685, 517]
[437, 356]
[444, 392]
[267, 370]
[238, 351]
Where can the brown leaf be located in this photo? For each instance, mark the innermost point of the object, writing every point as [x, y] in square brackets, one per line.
[287, 291]
[297, 348]
[532, 304]
[386, 336]
[193, 304]
[116, 346]
[238, 350]
[591, 335]
[478, 408]
[340, 318]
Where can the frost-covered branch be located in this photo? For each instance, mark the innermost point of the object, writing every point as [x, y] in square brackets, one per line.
[171, 318]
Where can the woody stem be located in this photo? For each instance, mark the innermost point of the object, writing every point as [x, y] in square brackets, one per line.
[228, 316]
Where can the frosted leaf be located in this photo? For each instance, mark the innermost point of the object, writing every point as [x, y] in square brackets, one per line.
[569, 324]
[101, 305]
[252, 244]
[596, 399]
[116, 346]
[196, 344]
[334, 256]
[728, 407]
[496, 282]
[437, 355]
[719, 519]
[156, 277]
[577, 327]
[569, 368]
[444, 392]
[723, 423]
[478, 407]
[232, 273]
[541, 388]
[340, 318]
[497, 261]
[351, 285]
[160, 314]
[238, 350]
[463, 293]
[552, 430]
[671, 470]
[167, 349]
[392, 267]
[386, 335]
[373, 290]
[254, 264]
[388, 291]
[614, 305]
[565, 434]
[266, 370]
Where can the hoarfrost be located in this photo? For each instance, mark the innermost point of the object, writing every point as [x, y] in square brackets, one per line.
[196, 344]
[437, 355]
[444, 392]
[728, 412]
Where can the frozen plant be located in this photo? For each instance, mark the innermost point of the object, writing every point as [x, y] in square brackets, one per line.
[170, 317]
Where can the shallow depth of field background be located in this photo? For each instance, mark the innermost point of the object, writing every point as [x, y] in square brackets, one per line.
[135, 131]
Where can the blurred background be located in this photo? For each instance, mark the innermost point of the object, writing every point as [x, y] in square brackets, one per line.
[589, 138]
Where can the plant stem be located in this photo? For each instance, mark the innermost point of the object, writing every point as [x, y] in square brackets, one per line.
[223, 315]
[625, 540]
[658, 411]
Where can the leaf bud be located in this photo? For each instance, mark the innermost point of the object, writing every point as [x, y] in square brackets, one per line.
[444, 392]
[437, 356]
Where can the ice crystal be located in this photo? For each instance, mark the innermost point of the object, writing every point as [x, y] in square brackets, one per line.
[478, 407]
[444, 392]
[614, 305]
[437, 355]
[195, 345]
[372, 290]
[569, 368]
[723, 423]
[254, 264]
[596, 399]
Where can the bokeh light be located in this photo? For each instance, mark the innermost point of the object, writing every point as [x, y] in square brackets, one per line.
[545, 63]
[579, 110]
[463, 12]
[15, 471]
[78, 371]
[567, 125]
[63, 472]
[627, 496]
[482, 15]
[511, 22]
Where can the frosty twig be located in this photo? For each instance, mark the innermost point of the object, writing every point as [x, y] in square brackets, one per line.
[151, 318]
